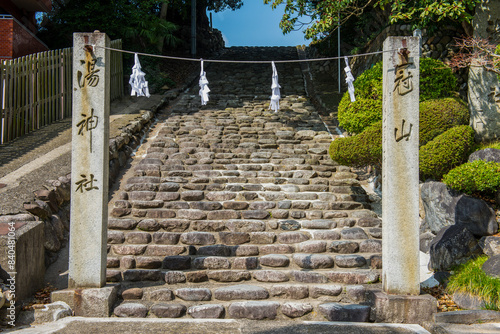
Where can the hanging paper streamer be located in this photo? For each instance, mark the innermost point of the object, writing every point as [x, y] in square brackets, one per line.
[275, 87]
[204, 90]
[137, 81]
[349, 79]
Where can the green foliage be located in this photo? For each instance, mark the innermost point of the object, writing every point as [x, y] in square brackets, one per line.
[354, 117]
[429, 13]
[111, 17]
[220, 5]
[149, 32]
[360, 114]
[474, 178]
[369, 83]
[494, 144]
[469, 278]
[360, 150]
[436, 79]
[323, 16]
[136, 19]
[437, 116]
[445, 152]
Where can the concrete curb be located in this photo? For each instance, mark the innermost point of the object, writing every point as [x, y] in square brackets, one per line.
[215, 326]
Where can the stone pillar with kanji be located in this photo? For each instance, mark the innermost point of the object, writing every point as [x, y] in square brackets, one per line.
[400, 177]
[89, 161]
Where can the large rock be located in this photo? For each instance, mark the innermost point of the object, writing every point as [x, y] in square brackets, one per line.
[492, 266]
[490, 245]
[452, 246]
[488, 154]
[445, 207]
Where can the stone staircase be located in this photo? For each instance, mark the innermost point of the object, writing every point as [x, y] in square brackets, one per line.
[234, 211]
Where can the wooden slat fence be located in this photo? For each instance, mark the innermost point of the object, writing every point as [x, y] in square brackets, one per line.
[116, 60]
[35, 90]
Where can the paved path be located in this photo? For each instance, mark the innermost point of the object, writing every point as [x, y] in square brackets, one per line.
[233, 202]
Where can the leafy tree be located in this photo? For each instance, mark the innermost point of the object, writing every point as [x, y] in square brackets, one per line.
[143, 22]
[321, 17]
[114, 17]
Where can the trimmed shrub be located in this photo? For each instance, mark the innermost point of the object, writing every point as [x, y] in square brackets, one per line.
[436, 81]
[360, 150]
[360, 115]
[369, 83]
[368, 86]
[437, 116]
[446, 151]
[477, 177]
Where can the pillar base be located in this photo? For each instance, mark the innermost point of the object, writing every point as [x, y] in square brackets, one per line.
[402, 309]
[94, 302]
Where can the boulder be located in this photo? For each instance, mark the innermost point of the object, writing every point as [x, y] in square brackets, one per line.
[476, 215]
[488, 154]
[490, 245]
[425, 241]
[492, 266]
[445, 207]
[453, 245]
[467, 301]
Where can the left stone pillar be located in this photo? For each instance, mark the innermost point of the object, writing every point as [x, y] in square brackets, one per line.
[89, 161]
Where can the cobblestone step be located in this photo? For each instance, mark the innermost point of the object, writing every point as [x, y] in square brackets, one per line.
[233, 211]
[280, 301]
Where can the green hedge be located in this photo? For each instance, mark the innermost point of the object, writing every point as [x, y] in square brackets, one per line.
[439, 115]
[369, 83]
[446, 151]
[360, 150]
[473, 178]
[359, 115]
[436, 81]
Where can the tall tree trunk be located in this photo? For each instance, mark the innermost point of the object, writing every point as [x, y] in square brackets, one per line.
[163, 16]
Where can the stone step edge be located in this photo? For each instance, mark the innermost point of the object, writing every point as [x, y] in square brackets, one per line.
[354, 276]
[253, 310]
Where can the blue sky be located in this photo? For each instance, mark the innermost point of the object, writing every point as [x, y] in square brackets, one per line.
[255, 24]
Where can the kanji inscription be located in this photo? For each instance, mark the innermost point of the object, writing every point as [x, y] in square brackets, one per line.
[402, 135]
[90, 78]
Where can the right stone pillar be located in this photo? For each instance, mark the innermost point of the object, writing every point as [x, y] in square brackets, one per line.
[400, 176]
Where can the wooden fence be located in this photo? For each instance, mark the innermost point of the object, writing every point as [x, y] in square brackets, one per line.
[35, 90]
[116, 60]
